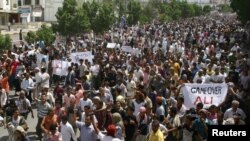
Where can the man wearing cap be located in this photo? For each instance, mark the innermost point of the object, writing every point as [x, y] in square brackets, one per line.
[19, 135]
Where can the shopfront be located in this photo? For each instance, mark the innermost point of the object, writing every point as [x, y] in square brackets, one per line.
[25, 14]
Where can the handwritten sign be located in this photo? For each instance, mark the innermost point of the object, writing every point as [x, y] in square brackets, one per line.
[127, 49]
[208, 94]
[75, 57]
[111, 45]
[60, 68]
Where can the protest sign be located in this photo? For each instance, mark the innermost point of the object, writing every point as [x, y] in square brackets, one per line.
[208, 94]
[60, 68]
[42, 60]
[75, 57]
[111, 45]
[127, 49]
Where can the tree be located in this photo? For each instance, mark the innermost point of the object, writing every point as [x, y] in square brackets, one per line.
[103, 19]
[8, 41]
[81, 21]
[148, 13]
[30, 37]
[187, 10]
[207, 9]
[197, 9]
[65, 18]
[91, 11]
[176, 10]
[5, 42]
[45, 34]
[225, 8]
[242, 8]
[134, 12]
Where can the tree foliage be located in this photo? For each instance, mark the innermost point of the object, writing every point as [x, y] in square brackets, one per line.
[100, 16]
[45, 33]
[81, 21]
[207, 9]
[5, 42]
[91, 10]
[71, 19]
[30, 38]
[103, 19]
[225, 8]
[134, 12]
[242, 8]
[65, 17]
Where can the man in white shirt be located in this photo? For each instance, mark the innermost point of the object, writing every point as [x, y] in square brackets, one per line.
[66, 130]
[82, 68]
[44, 78]
[131, 87]
[38, 79]
[3, 99]
[234, 110]
[85, 101]
[27, 85]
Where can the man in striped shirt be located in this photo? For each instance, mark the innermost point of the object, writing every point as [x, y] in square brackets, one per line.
[42, 110]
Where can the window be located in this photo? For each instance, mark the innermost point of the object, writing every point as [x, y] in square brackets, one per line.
[37, 2]
[27, 2]
[7, 2]
[19, 3]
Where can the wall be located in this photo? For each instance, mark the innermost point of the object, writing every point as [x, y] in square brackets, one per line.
[50, 9]
[6, 4]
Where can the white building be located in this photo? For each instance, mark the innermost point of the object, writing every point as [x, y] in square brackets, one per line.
[8, 12]
[31, 10]
[51, 7]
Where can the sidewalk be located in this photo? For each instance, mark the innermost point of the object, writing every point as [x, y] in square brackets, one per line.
[17, 30]
[14, 29]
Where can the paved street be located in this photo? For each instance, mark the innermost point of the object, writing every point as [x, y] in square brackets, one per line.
[31, 122]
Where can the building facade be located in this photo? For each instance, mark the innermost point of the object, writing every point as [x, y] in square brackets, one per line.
[8, 12]
[31, 10]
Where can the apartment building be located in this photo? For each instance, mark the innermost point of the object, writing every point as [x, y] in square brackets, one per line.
[8, 12]
[21, 11]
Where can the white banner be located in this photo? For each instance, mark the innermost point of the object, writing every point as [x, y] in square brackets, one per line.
[60, 68]
[42, 60]
[75, 57]
[208, 94]
[127, 49]
[111, 45]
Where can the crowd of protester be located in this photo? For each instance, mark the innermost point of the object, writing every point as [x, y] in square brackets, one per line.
[129, 96]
